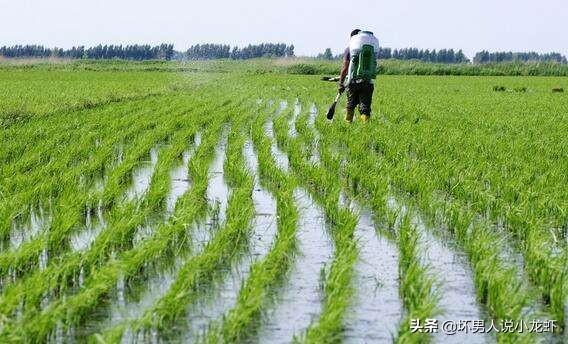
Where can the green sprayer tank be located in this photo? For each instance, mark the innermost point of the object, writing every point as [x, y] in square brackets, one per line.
[364, 50]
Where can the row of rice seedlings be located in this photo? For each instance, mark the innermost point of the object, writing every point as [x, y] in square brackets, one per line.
[118, 306]
[268, 128]
[454, 283]
[78, 127]
[55, 240]
[377, 309]
[20, 200]
[499, 278]
[205, 308]
[335, 166]
[203, 270]
[493, 161]
[211, 308]
[214, 196]
[491, 275]
[69, 267]
[416, 286]
[51, 177]
[138, 292]
[303, 289]
[393, 151]
[67, 215]
[171, 238]
[545, 267]
[458, 299]
[242, 322]
[544, 255]
[325, 187]
[81, 261]
[304, 126]
[76, 308]
[526, 302]
[419, 305]
[48, 92]
[546, 259]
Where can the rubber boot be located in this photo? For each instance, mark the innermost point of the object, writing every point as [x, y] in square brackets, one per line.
[349, 115]
[365, 118]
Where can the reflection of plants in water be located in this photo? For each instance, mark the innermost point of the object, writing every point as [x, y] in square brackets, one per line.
[215, 216]
[322, 277]
[378, 283]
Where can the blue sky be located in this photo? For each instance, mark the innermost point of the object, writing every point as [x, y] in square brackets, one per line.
[312, 26]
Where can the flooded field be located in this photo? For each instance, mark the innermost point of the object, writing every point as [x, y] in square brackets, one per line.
[240, 214]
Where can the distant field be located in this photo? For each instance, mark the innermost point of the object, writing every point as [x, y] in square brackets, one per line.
[212, 201]
[296, 65]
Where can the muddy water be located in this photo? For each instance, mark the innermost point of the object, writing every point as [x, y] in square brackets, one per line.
[179, 177]
[92, 227]
[280, 158]
[218, 301]
[224, 298]
[179, 184]
[315, 157]
[292, 132]
[62, 334]
[511, 255]
[456, 286]
[377, 308]
[142, 176]
[155, 288]
[283, 106]
[99, 185]
[159, 282]
[217, 190]
[300, 302]
[264, 226]
[20, 233]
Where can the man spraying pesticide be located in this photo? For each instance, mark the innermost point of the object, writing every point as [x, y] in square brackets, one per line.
[358, 75]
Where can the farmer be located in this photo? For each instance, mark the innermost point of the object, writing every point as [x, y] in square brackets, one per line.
[360, 69]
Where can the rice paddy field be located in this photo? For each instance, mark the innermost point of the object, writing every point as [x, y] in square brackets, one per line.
[187, 204]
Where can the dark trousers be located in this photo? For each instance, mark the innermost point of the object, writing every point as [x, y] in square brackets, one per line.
[360, 93]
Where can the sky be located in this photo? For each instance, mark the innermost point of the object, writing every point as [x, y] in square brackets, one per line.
[312, 26]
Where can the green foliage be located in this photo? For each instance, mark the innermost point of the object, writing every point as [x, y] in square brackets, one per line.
[483, 167]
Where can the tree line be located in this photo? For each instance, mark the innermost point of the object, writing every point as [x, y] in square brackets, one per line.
[127, 52]
[427, 55]
[487, 57]
[451, 56]
[147, 52]
[222, 51]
